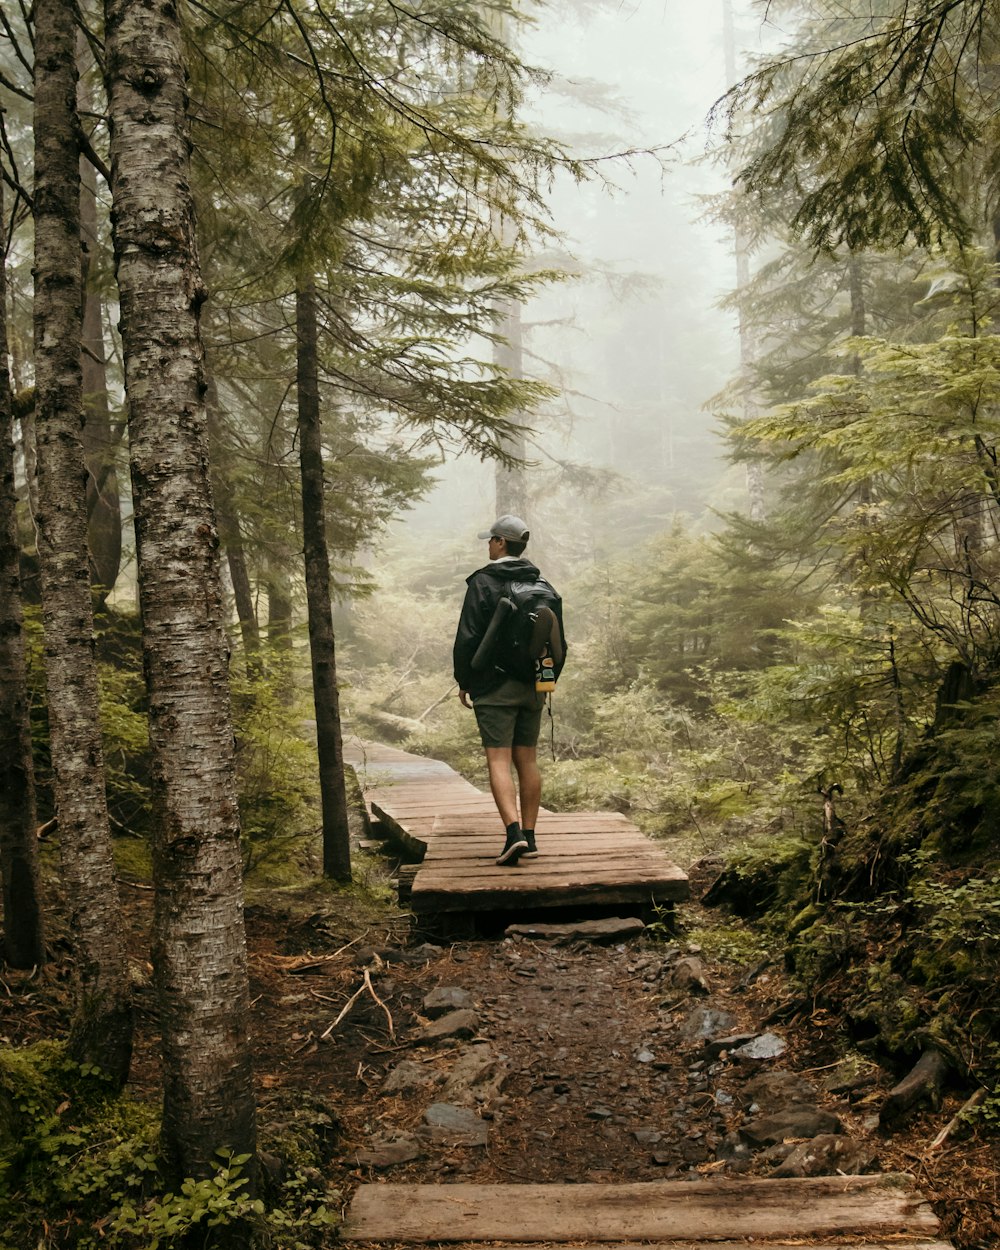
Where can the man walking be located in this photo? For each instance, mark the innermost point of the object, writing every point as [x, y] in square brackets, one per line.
[507, 704]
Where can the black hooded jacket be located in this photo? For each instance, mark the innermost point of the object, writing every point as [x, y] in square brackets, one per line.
[485, 588]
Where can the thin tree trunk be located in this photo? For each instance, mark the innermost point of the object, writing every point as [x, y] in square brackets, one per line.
[104, 516]
[232, 540]
[102, 1029]
[24, 939]
[199, 946]
[511, 486]
[326, 697]
[755, 476]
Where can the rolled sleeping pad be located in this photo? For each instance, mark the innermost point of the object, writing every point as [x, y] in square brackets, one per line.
[546, 633]
[484, 652]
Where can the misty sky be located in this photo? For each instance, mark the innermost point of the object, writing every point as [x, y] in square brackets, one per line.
[640, 361]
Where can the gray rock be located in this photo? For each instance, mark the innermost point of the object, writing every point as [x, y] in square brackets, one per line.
[408, 1076]
[463, 1023]
[457, 1126]
[387, 1152]
[852, 1073]
[610, 929]
[828, 1154]
[647, 1136]
[705, 1022]
[476, 1076]
[689, 974]
[777, 1088]
[766, 1046]
[769, 1130]
[716, 1046]
[446, 998]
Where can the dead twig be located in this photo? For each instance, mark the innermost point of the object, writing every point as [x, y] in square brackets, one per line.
[365, 985]
[956, 1119]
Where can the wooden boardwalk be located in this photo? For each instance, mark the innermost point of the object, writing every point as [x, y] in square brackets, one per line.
[586, 859]
[833, 1212]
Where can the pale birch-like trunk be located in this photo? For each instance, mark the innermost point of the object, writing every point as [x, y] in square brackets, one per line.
[326, 696]
[24, 940]
[199, 946]
[104, 515]
[511, 485]
[102, 1028]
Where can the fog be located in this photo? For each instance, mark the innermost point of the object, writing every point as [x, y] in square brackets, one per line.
[638, 344]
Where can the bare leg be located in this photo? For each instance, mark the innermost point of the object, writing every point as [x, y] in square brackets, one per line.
[530, 783]
[502, 783]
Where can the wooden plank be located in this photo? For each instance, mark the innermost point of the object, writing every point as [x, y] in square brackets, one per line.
[593, 894]
[643, 1211]
[861, 1242]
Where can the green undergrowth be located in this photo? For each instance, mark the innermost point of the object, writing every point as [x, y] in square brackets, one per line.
[79, 1167]
[894, 921]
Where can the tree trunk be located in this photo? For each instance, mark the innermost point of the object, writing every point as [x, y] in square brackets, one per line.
[511, 486]
[741, 244]
[326, 697]
[102, 1029]
[232, 540]
[104, 515]
[199, 946]
[24, 941]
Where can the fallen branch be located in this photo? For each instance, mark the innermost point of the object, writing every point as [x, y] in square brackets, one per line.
[956, 1119]
[365, 985]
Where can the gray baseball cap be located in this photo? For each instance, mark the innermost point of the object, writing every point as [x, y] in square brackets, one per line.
[511, 527]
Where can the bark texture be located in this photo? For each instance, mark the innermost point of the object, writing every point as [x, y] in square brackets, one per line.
[199, 947]
[326, 696]
[24, 941]
[102, 1029]
[100, 441]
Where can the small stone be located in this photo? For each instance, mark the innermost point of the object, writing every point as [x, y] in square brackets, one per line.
[793, 1122]
[689, 974]
[455, 1024]
[456, 1125]
[826, 1155]
[645, 1056]
[446, 998]
[706, 1022]
[387, 1152]
[408, 1076]
[766, 1046]
[647, 1136]
[606, 930]
[600, 1113]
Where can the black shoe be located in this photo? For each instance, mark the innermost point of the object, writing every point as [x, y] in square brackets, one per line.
[529, 837]
[513, 848]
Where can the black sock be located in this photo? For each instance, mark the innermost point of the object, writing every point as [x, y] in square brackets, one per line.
[513, 829]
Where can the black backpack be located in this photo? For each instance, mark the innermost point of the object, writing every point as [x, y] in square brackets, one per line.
[523, 634]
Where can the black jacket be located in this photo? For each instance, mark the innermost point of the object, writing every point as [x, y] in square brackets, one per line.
[485, 588]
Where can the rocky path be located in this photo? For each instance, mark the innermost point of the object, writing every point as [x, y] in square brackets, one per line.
[564, 1060]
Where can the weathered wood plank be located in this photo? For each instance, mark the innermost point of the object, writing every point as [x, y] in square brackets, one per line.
[861, 1242]
[654, 1211]
[439, 818]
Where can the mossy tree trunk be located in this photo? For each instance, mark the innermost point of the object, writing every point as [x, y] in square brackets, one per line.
[199, 945]
[24, 940]
[102, 1029]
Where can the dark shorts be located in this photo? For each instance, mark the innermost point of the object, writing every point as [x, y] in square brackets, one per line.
[511, 715]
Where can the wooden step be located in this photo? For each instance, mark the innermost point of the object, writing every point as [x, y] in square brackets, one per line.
[687, 1212]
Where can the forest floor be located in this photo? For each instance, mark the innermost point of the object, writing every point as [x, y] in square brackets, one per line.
[579, 1062]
